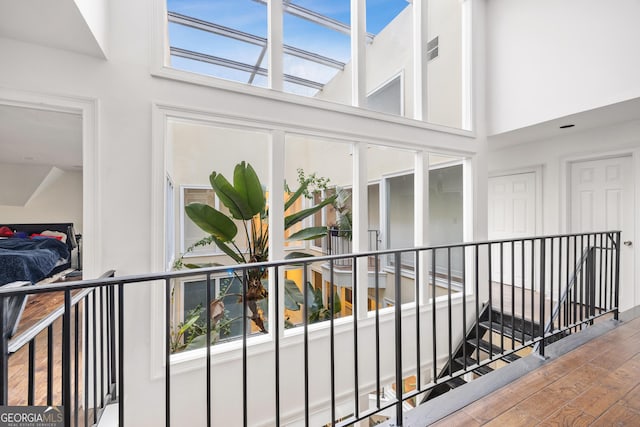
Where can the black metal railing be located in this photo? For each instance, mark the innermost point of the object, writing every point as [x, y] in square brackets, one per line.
[79, 356]
[314, 373]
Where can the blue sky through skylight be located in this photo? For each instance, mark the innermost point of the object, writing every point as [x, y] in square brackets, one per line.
[250, 16]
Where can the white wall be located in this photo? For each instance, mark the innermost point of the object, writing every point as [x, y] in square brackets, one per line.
[126, 94]
[58, 199]
[548, 59]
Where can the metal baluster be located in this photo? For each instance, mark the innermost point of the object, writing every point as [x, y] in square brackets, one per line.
[277, 345]
[449, 317]
[305, 313]
[501, 298]
[398, 339]
[490, 249]
[377, 280]
[208, 355]
[85, 356]
[464, 309]
[477, 295]
[245, 415]
[167, 352]
[32, 373]
[543, 244]
[4, 351]
[616, 313]
[50, 365]
[332, 345]
[121, 396]
[433, 315]
[513, 296]
[66, 358]
[354, 315]
[76, 367]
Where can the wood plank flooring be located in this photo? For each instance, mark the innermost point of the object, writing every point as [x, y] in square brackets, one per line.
[597, 384]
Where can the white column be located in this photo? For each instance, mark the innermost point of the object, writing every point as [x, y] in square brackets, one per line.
[421, 220]
[360, 206]
[420, 35]
[275, 186]
[275, 43]
[358, 53]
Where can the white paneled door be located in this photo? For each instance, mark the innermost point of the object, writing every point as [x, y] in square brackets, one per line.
[601, 199]
[512, 214]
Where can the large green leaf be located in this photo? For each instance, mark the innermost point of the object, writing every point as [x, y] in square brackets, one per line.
[212, 221]
[296, 255]
[237, 257]
[230, 197]
[247, 184]
[295, 196]
[308, 233]
[305, 213]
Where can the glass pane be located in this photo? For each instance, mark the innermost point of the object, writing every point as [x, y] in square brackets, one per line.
[391, 200]
[229, 55]
[197, 150]
[389, 57]
[446, 218]
[191, 233]
[334, 9]
[321, 46]
[327, 168]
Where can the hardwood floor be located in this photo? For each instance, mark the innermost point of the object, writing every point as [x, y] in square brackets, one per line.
[596, 384]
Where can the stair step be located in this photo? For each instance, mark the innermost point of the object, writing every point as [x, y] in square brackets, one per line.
[482, 370]
[485, 346]
[517, 322]
[455, 382]
[508, 332]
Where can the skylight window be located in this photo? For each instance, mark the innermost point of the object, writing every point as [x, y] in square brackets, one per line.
[228, 39]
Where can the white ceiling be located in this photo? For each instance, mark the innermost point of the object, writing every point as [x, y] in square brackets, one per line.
[592, 119]
[58, 24]
[40, 137]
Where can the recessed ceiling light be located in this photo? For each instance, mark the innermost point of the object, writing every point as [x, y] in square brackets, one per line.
[566, 126]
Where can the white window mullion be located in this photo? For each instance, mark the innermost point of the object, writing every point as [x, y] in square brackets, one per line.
[276, 222]
[421, 219]
[358, 53]
[360, 225]
[420, 35]
[275, 40]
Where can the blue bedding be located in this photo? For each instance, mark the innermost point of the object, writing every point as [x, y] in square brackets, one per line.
[29, 260]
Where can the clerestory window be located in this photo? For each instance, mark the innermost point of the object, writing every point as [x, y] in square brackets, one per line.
[322, 54]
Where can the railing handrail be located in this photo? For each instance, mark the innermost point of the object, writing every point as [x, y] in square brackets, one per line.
[150, 277]
[23, 338]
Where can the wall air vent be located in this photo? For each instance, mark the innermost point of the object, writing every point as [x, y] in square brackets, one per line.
[432, 49]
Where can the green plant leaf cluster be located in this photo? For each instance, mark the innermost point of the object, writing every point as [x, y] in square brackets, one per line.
[246, 202]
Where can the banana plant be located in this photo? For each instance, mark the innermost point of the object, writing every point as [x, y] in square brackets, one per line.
[246, 202]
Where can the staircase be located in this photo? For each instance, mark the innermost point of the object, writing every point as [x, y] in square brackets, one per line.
[492, 339]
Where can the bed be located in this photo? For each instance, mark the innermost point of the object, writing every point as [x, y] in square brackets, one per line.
[34, 252]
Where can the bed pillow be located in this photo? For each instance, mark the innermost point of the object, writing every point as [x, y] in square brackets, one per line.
[6, 232]
[57, 234]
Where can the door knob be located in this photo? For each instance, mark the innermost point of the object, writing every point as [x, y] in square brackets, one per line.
[627, 243]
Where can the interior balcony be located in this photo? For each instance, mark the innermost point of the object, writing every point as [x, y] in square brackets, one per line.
[534, 335]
